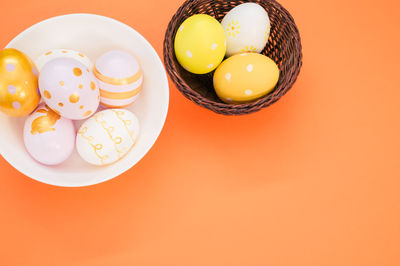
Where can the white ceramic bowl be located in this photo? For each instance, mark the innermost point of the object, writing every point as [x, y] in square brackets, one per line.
[91, 35]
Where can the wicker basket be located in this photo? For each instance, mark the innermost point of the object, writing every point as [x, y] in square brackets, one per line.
[284, 47]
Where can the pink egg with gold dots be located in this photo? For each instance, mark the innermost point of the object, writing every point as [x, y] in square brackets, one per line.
[69, 88]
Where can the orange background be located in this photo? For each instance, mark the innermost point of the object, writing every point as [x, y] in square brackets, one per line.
[312, 180]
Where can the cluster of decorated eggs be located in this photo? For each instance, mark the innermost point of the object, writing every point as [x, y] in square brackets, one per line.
[64, 86]
[202, 43]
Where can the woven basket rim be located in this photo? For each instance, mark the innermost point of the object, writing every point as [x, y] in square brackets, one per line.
[193, 95]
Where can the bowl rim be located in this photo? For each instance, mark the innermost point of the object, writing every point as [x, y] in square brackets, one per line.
[164, 110]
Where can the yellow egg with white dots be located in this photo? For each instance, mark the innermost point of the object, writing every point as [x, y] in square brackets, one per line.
[245, 77]
[200, 44]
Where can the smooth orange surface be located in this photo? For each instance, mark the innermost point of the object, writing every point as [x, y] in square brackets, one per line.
[314, 180]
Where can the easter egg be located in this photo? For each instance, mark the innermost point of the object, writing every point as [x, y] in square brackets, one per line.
[245, 77]
[69, 88]
[48, 137]
[247, 29]
[120, 78]
[19, 94]
[200, 44]
[107, 136]
[51, 54]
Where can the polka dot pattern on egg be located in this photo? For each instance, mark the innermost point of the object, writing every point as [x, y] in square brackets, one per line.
[52, 54]
[74, 98]
[10, 67]
[16, 105]
[47, 94]
[200, 44]
[66, 86]
[11, 89]
[35, 72]
[77, 71]
[242, 78]
[18, 82]
[87, 113]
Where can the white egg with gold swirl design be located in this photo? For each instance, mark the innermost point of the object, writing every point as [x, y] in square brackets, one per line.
[107, 136]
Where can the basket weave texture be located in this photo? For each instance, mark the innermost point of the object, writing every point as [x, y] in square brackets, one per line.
[284, 47]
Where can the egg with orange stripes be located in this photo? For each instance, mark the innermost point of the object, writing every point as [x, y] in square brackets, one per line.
[120, 78]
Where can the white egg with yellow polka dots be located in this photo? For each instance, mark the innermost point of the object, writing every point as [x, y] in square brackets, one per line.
[52, 54]
[69, 88]
[107, 136]
[247, 28]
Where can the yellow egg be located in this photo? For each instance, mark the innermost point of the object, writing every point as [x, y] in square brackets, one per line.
[200, 44]
[245, 77]
[18, 83]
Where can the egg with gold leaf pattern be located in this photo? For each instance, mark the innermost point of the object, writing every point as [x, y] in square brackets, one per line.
[107, 136]
[19, 95]
[69, 88]
[48, 137]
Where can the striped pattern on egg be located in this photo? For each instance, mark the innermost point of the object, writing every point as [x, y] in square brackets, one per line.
[120, 78]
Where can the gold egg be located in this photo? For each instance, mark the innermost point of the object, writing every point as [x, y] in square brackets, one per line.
[18, 83]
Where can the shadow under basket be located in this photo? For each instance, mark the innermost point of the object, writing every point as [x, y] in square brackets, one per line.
[284, 47]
